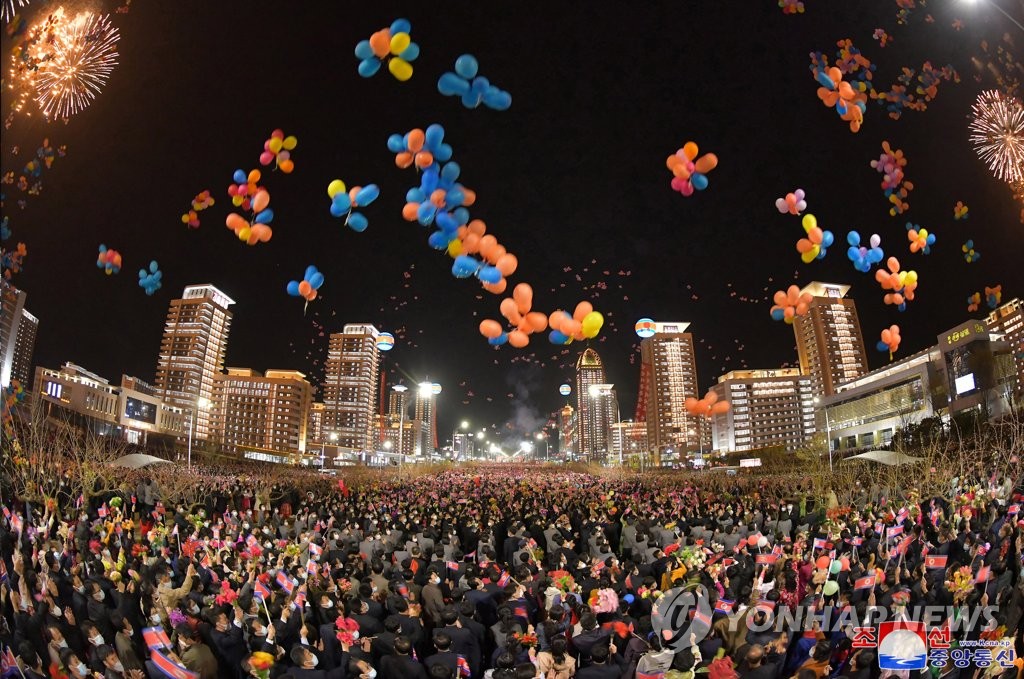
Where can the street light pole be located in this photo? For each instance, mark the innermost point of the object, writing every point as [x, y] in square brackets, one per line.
[200, 403]
[1003, 12]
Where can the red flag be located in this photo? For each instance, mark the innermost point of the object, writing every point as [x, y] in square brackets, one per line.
[155, 637]
[904, 544]
[767, 559]
[867, 582]
[983, 574]
[724, 606]
[285, 582]
[260, 591]
[463, 665]
[935, 561]
[8, 663]
[103, 511]
[170, 668]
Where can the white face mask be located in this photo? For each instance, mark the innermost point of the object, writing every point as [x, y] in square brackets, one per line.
[129, 632]
[262, 632]
[315, 660]
[98, 640]
[371, 674]
[81, 669]
[63, 643]
[57, 612]
[118, 667]
[155, 618]
[327, 604]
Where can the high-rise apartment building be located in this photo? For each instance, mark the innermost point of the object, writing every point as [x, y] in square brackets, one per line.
[629, 439]
[567, 431]
[192, 351]
[1008, 321]
[596, 407]
[425, 413]
[770, 409]
[17, 336]
[315, 427]
[350, 386]
[669, 377]
[828, 338]
[261, 416]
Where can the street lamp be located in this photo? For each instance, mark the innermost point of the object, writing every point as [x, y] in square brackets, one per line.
[201, 403]
[464, 426]
[541, 437]
[828, 433]
[1000, 10]
[323, 448]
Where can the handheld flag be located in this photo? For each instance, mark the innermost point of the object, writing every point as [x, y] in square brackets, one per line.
[155, 637]
[867, 582]
[935, 561]
[169, 668]
[284, 582]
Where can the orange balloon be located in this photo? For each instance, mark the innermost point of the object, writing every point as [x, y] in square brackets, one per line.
[523, 295]
[496, 288]
[706, 163]
[311, 296]
[437, 197]
[478, 227]
[518, 339]
[352, 192]
[487, 243]
[304, 288]
[260, 201]
[471, 244]
[469, 196]
[403, 159]
[582, 309]
[490, 329]
[508, 309]
[424, 159]
[497, 252]
[720, 407]
[380, 43]
[537, 321]
[236, 222]
[506, 265]
[253, 179]
[410, 211]
[690, 150]
[286, 166]
[461, 233]
[416, 139]
[573, 328]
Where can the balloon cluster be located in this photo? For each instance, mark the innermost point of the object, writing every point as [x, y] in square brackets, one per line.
[278, 150]
[258, 229]
[471, 88]
[816, 245]
[993, 296]
[890, 164]
[960, 211]
[689, 172]
[791, 6]
[517, 310]
[920, 239]
[970, 254]
[311, 282]
[343, 203]
[11, 261]
[497, 263]
[706, 407]
[793, 203]
[109, 260]
[151, 280]
[864, 258]
[392, 45]
[646, 327]
[202, 201]
[882, 37]
[902, 284]
[244, 187]
[973, 302]
[585, 323]
[420, 148]
[13, 394]
[906, 95]
[840, 95]
[890, 340]
[790, 303]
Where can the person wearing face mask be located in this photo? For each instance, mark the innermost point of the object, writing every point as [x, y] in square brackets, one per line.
[169, 595]
[73, 666]
[306, 663]
[97, 609]
[194, 654]
[228, 640]
[433, 599]
[124, 641]
[56, 645]
[95, 639]
[112, 666]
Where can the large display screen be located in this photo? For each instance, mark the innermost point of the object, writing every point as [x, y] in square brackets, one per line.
[134, 409]
[965, 384]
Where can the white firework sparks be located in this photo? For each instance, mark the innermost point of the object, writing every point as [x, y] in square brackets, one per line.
[997, 133]
[84, 54]
[8, 8]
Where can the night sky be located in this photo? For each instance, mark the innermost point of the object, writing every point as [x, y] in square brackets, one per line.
[571, 179]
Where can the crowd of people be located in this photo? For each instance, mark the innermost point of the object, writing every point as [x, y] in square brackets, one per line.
[502, 573]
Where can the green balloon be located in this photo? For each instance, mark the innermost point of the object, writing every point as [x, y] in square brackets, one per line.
[835, 567]
[831, 587]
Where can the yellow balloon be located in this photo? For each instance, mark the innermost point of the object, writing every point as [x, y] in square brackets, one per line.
[289, 142]
[399, 43]
[184, 219]
[400, 68]
[455, 248]
[592, 324]
[236, 200]
[275, 145]
[244, 233]
[335, 187]
[810, 255]
[809, 222]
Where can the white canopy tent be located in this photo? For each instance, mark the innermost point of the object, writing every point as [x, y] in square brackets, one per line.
[138, 461]
[887, 457]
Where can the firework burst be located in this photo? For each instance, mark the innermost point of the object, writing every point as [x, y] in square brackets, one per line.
[84, 54]
[8, 8]
[997, 133]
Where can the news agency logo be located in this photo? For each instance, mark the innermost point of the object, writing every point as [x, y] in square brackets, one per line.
[682, 617]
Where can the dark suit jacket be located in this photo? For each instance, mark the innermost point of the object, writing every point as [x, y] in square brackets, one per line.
[300, 673]
[446, 658]
[612, 669]
[464, 644]
[400, 667]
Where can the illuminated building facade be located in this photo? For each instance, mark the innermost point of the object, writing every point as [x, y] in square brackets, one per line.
[350, 387]
[192, 351]
[669, 377]
[253, 414]
[828, 338]
[18, 330]
[1008, 321]
[769, 409]
[596, 407]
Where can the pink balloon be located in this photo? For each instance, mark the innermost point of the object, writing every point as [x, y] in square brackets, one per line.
[283, 156]
[266, 158]
[261, 200]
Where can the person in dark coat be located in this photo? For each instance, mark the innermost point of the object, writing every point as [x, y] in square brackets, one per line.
[401, 665]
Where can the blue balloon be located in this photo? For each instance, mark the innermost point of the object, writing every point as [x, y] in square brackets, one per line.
[699, 181]
[425, 214]
[310, 272]
[396, 144]
[438, 240]
[778, 314]
[496, 99]
[239, 176]
[341, 201]
[455, 196]
[471, 99]
[265, 217]
[875, 255]
[853, 238]
[629, 598]
[368, 67]
[293, 288]
[400, 26]
[498, 341]
[446, 222]
[451, 172]
[443, 153]
[824, 80]
[464, 266]
[337, 211]
[434, 136]
[882, 346]
[154, 267]
[367, 195]
[488, 274]
[358, 222]
[467, 66]
[451, 85]
[410, 53]
[363, 50]
[827, 239]
[316, 280]
[461, 216]
[557, 337]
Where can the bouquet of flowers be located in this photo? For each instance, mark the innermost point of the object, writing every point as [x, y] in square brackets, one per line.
[962, 583]
[139, 548]
[525, 639]
[292, 550]
[345, 585]
[348, 630]
[692, 557]
[197, 519]
[261, 663]
[603, 601]
[227, 595]
[563, 580]
[176, 617]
